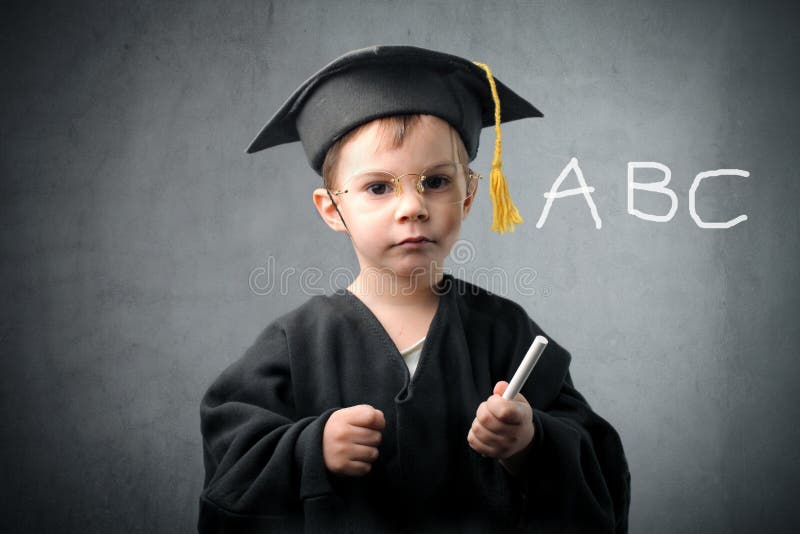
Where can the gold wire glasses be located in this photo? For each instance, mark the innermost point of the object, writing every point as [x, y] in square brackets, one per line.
[444, 183]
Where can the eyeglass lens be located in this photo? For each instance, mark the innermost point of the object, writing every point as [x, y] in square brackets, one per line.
[443, 183]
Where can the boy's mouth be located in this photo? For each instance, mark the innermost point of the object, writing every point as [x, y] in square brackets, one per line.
[416, 239]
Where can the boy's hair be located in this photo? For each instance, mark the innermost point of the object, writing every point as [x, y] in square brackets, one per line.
[392, 131]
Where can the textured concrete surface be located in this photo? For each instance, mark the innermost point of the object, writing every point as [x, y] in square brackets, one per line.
[137, 239]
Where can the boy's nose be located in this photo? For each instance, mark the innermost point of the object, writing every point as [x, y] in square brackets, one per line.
[410, 204]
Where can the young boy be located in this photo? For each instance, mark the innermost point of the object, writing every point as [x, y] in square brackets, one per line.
[380, 408]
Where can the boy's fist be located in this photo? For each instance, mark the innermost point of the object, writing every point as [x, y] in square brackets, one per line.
[350, 439]
[502, 429]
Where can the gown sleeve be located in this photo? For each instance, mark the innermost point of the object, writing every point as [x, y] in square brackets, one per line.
[576, 477]
[261, 461]
[576, 469]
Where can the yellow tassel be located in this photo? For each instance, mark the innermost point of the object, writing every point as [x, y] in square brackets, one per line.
[505, 214]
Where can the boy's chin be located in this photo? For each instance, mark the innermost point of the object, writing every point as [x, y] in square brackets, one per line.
[421, 271]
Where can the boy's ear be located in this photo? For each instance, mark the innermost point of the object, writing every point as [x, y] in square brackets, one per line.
[470, 199]
[327, 210]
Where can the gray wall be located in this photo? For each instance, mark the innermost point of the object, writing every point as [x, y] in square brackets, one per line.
[131, 221]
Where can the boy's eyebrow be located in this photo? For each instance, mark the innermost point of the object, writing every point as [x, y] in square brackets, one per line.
[419, 170]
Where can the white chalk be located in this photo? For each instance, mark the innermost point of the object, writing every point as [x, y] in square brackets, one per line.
[525, 368]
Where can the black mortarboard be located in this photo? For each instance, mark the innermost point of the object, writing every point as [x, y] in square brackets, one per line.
[380, 81]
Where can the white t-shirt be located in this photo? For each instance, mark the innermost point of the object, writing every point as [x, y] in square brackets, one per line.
[411, 355]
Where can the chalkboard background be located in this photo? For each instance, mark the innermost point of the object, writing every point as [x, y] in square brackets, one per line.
[136, 235]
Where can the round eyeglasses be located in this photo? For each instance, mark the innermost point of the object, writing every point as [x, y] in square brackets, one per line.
[444, 183]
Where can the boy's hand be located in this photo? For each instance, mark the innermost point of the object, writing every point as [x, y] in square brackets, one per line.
[503, 429]
[350, 440]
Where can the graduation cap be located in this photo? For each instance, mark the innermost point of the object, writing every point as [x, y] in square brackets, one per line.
[382, 81]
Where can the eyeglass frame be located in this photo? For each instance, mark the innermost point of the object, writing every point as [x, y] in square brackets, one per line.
[396, 179]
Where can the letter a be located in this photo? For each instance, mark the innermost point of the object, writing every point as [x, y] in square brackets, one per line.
[584, 190]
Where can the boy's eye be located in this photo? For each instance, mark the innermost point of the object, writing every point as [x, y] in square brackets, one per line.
[372, 185]
[437, 182]
[379, 188]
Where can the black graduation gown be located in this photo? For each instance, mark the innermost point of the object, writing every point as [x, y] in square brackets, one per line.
[262, 423]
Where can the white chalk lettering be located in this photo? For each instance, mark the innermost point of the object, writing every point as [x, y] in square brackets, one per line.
[584, 190]
[656, 187]
[693, 192]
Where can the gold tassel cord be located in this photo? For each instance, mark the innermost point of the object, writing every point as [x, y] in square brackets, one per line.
[505, 214]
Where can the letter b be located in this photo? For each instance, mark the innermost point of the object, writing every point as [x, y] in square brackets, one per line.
[656, 187]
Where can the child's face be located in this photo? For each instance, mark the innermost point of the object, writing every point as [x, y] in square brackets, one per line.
[378, 235]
